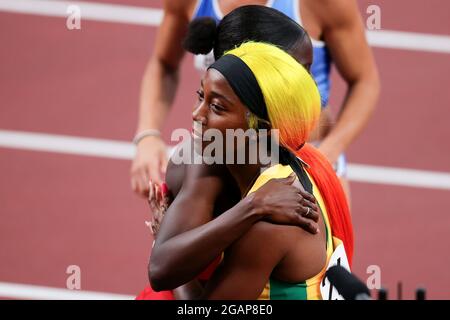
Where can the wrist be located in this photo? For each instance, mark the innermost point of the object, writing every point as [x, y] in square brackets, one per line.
[330, 150]
[335, 140]
[254, 207]
[144, 134]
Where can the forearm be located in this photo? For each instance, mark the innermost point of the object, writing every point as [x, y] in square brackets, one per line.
[183, 257]
[158, 88]
[355, 113]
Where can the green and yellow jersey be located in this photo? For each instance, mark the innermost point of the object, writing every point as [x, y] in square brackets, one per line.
[315, 288]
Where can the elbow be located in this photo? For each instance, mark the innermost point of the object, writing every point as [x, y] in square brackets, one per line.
[370, 87]
[158, 276]
[376, 84]
[373, 89]
[368, 82]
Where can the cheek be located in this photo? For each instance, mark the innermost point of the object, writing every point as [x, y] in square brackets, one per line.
[225, 121]
[218, 122]
[239, 121]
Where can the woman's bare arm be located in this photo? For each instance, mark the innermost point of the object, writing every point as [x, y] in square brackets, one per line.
[263, 252]
[344, 34]
[189, 238]
[158, 88]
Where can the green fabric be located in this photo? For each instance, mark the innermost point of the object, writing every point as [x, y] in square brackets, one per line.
[280, 290]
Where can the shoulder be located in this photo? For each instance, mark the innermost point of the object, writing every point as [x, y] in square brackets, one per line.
[289, 252]
[280, 236]
[264, 243]
[198, 182]
[203, 173]
[182, 171]
[174, 177]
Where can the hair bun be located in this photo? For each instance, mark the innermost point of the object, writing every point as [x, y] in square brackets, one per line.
[200, 36]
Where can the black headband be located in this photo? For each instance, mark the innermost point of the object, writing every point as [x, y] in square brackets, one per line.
[243, 82]
[246, 87]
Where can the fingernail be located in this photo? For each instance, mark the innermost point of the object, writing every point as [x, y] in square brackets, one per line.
[164, 188]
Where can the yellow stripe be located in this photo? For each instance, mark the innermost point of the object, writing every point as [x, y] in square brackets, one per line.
[276, 171]
[265, 294]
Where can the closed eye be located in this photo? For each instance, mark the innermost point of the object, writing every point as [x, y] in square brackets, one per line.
[200, 95]
[217, 107]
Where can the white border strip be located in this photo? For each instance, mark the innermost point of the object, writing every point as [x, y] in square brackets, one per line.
[125, 151]
[153, 17]
[33, 292]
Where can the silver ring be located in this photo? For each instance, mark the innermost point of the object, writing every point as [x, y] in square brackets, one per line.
[308, 212]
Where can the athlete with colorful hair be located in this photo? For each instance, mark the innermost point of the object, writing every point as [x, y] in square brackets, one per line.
[286, 262]
[201, 193]
[271, 261]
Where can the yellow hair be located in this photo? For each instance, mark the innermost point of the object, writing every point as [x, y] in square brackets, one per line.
[290, 93]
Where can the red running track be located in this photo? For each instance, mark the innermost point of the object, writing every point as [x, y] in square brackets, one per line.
[58, 210]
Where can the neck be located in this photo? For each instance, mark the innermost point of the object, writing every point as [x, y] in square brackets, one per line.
[245, 175]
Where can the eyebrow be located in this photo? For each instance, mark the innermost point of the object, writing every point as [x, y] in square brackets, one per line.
[217, 95]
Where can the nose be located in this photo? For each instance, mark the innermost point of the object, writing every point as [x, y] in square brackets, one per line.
[199, 114]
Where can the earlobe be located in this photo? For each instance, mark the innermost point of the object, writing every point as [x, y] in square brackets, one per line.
[252, 121]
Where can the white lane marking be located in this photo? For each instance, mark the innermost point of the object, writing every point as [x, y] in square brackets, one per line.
[33, 292]
[153, 17]
[89, 11]
[399, 176]
[125, 150]
[409, 41]
[66, 144]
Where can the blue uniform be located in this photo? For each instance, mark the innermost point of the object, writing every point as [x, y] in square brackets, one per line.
[320, 68]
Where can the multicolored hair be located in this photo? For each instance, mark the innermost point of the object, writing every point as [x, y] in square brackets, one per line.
[293, 106]
[290, 93]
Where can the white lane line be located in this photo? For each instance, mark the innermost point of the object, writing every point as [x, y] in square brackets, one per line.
[125, 150]
[66, 144]
[409, 41]
[153, 17]
[399, 176]
[89, 11]
[33, 292]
